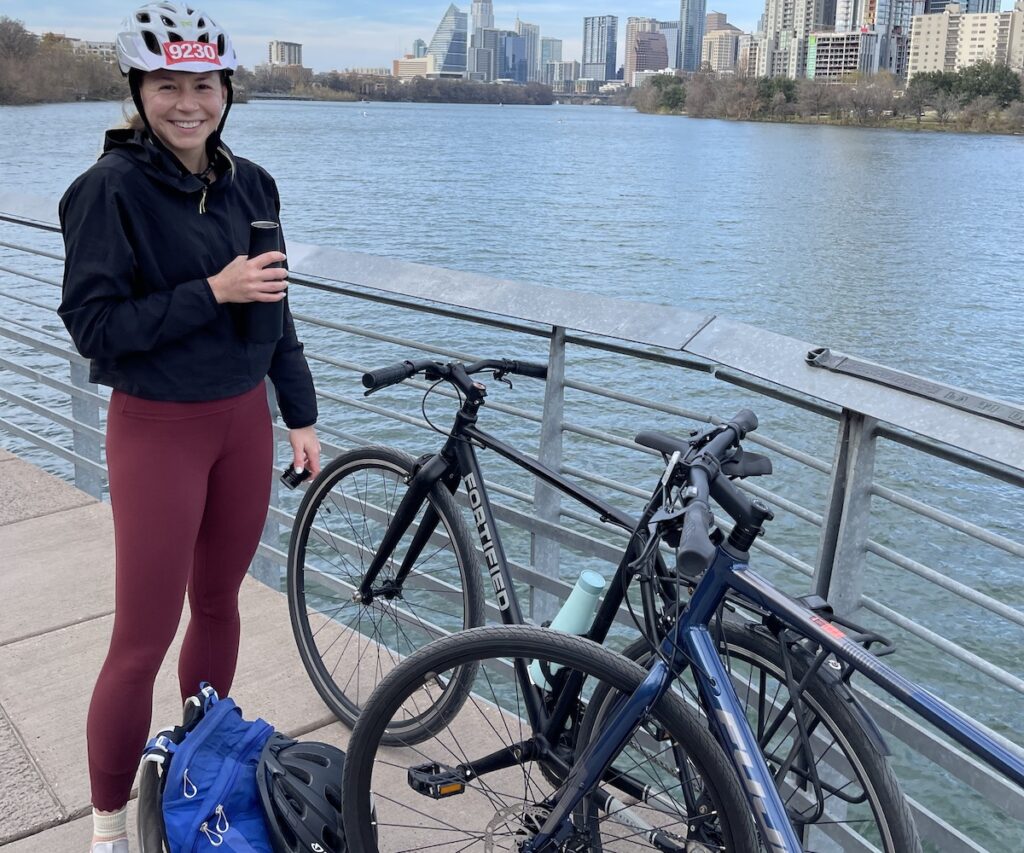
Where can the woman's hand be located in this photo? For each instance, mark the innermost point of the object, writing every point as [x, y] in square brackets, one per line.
[305, 449]
[245, 280]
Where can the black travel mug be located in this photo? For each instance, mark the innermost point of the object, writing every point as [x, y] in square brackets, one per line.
[264, 320]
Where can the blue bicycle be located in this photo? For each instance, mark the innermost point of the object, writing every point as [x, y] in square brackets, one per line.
[601, 754]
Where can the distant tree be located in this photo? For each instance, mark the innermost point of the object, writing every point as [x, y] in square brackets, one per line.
[940, 81]
[16, 42]
[944, 103]
[814, 98]
[1013, 117]
[985, 79]
[917, 96]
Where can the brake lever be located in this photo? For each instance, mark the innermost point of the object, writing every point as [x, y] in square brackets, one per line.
[499, 376]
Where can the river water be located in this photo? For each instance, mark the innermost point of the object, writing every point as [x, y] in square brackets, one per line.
[904, 248]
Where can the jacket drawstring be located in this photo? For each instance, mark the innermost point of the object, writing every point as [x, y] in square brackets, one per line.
[202, 201]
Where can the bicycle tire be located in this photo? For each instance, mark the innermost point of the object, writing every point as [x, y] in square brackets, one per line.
[844, 752]
[498, 810]
[347, 646]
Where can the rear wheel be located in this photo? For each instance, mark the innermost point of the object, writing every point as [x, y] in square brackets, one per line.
[486, 781]
[860, 805]
[346, 645]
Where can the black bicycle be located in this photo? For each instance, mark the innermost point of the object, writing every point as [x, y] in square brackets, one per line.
[381, 563]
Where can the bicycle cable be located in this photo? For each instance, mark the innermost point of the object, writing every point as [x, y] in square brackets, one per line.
[423, 408]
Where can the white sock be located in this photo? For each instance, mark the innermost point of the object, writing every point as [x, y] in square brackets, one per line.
[108, 826]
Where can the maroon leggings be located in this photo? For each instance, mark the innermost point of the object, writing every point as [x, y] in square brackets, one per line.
[189, 485]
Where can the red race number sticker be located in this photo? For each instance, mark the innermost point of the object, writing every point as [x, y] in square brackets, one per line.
[190, 51]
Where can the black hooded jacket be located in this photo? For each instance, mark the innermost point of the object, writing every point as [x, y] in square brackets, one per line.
[141, 238]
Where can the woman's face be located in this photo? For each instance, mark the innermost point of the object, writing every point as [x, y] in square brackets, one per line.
[183, 109]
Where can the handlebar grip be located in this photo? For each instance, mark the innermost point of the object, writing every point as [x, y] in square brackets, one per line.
[696, 550]
[744, 421]
[390, 375]
[529, 368]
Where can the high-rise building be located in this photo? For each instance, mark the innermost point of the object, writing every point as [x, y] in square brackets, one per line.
[670, 29]
[450, 43]
[513, 57]
[650, 53]
[485, 56]
[531, 34]
[715, 21]
[833, 56]
[419, 49]
[691, 31]
[785, 27]
[720, 49]
[967, 7]
[889, 20]
[285, 53]
[600, 45]
[955, 40]
[634, 26]
[483, 15]
[550, 50]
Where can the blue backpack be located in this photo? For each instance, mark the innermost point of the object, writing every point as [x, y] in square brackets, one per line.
[198, 789]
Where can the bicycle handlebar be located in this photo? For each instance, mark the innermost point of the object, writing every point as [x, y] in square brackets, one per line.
[696, 550]
[392, 374]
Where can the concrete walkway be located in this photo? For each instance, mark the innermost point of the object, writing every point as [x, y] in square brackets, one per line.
[56, 605]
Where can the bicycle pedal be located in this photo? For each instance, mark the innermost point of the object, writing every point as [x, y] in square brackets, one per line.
[435, 781]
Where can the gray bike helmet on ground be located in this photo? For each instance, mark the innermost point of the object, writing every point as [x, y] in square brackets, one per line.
[300, 787]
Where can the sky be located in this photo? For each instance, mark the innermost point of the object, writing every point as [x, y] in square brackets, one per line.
[358, 33]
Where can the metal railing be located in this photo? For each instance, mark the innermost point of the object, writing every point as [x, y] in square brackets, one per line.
[857, 473]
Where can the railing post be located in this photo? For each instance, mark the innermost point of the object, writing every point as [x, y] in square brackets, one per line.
[839, 572]
[264, 569]
[86, 445]
[547, 501]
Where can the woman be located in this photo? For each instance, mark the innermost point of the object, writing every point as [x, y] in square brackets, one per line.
[157, 292]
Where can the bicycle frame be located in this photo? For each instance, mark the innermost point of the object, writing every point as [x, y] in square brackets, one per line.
[690, 643]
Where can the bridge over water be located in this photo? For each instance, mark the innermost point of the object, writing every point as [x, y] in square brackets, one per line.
[900, 504]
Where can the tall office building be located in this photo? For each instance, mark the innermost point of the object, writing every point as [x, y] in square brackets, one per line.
[715, 21]
[888, 20]
[720, 48]
[600, 45]
[483, 14]
[670, 29]
[550, 51]
[968, 7]
[419, 49]
[785, 28]
[285, 53]
[450, 43]
[485, 56]
[513, 57]
[691, 31]
[531, 35]
[635, 26]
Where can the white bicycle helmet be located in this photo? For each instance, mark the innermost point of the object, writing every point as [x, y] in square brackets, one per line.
[175, 36]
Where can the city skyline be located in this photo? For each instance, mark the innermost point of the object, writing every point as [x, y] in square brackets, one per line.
[364, 34]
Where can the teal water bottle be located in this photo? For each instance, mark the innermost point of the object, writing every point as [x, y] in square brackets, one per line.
[575, 615]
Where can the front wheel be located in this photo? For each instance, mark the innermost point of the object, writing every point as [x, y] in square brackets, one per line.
[857, 804]
[486, 780]
[346, 645]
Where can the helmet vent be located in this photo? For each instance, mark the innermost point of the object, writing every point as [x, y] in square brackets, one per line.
[174, 37]
[201, 23]
[220, 44]
[142, 17]
[205, 37]
[167, 21]
[151, 42]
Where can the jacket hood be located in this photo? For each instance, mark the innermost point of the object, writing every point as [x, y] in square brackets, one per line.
[160, 164]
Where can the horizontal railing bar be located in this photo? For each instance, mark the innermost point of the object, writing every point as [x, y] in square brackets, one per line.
[979, 664]
[975, 531]
[31, 223]
[56, 417]
[969, 594]
[29, 328]
[778, 447]
[39, 278]
[50, 349]
[55, 449]
[380, 336]
[31, 251]
[56, 384]
[1012, 475]
[777, 392]
[956, 761]
[933, 829]
[424, 307]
